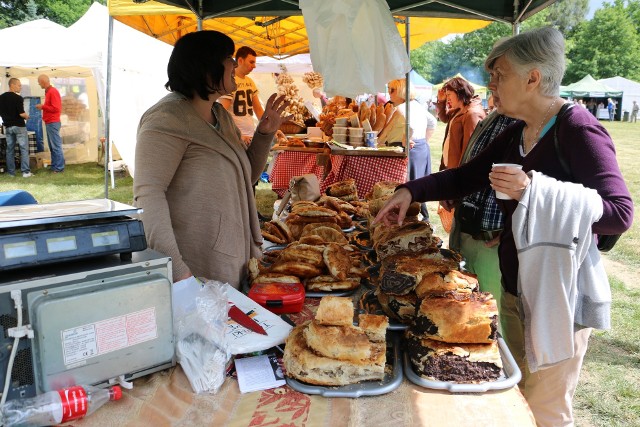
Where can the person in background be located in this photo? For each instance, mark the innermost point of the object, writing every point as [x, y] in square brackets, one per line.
[611, 107]
[194, 173]
[592, 107]
[51, 110]
[244, 102]
[13, 119]
[634, 113]
[478, 220]
[525, 74]
[422, 125]
[461, 109]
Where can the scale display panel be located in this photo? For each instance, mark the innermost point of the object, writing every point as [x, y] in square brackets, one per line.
[58, 232]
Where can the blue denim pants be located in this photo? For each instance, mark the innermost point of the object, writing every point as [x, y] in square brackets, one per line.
[55, 146]
[17, 134]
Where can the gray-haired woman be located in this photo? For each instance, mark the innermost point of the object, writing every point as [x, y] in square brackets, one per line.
[548, 254]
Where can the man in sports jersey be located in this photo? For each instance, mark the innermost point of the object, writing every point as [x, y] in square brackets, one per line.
[244, 102]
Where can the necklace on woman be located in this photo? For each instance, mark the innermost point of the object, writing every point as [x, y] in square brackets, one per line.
[535, 139]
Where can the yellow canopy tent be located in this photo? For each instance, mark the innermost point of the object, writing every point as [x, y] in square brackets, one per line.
[480, 90]
[268, 35]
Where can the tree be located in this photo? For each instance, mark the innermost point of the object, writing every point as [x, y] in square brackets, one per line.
[606, 46]
[438, 61]
[63, 12]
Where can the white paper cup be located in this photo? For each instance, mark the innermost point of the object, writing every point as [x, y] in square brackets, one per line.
[499, 194]
[370, 138]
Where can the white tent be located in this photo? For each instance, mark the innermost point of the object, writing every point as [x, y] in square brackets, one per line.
[630, 89]
[138, 67]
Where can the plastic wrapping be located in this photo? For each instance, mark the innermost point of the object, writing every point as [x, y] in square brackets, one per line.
[200, 338]
[354, 44]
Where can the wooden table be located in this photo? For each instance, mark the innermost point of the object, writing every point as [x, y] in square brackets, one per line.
[166, 399]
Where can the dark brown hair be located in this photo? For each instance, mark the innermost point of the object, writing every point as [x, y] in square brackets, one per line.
[462, 88]
[196, 63]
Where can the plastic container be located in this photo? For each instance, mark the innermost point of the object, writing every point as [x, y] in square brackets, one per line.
[340, 130]
[357, 132]
[56, 407]
[342, 121]
[279, 298]
[340, 137]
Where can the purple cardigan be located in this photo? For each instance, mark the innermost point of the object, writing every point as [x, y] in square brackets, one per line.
[587, 148]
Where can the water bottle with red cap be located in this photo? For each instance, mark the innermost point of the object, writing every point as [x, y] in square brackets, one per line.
[56, 407]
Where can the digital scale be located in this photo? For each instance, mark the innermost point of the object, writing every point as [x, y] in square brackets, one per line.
[98, 301]
[57, 232]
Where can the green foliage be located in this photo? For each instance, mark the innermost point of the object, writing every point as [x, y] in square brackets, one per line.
[63, 12]
[439, 61]
[606, 46]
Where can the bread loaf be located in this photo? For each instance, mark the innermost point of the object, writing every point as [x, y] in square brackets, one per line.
[304, 364]
[335, 311]
[458, 318]
[460, 363]
[338, 342]
[441, 282]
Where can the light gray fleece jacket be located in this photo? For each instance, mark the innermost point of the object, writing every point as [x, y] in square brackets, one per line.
[561, 279]
[194, 183]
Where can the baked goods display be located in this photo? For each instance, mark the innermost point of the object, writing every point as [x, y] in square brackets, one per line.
[330, 351]
[449, 326]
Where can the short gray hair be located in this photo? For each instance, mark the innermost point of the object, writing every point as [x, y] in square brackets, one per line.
[542, 48]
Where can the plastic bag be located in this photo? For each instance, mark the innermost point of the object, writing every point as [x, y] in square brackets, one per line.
[305, 187]
[200, 338]
[354, 44]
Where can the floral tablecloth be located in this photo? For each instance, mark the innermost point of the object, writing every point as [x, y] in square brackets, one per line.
[165, 399]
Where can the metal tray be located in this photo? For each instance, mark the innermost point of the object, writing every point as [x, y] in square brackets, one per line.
[511, 376]
[390, 382]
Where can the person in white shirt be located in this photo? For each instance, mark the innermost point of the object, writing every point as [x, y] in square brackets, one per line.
[244, 102]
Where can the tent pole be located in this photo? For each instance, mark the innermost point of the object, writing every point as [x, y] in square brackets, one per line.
[107, 114]
[407, 95]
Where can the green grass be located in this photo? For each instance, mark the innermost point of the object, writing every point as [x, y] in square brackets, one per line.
[608, 393]
[77, 182]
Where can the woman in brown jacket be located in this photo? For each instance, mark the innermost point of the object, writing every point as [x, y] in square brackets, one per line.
[194, 175]
[461, 110]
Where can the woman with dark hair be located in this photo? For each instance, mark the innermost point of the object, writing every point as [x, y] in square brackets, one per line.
[555, 289]
[461, 110]
[194, 175]
[458, 107]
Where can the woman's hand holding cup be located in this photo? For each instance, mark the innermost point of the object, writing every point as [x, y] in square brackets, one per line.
[508, 180]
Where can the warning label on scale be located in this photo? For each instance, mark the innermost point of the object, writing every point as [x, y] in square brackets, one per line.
[94, 339]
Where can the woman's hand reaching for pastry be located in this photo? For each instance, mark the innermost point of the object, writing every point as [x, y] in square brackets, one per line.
[272, 117]
[395, 209]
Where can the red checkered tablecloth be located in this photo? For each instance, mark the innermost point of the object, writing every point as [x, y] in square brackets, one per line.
[292, 163]
[366, 170]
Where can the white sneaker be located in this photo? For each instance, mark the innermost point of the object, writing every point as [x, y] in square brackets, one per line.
[27, 175]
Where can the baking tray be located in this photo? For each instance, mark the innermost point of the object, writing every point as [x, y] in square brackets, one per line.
[390, 382]
[511, 376]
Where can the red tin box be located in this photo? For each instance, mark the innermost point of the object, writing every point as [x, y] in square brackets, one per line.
[279, 298]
